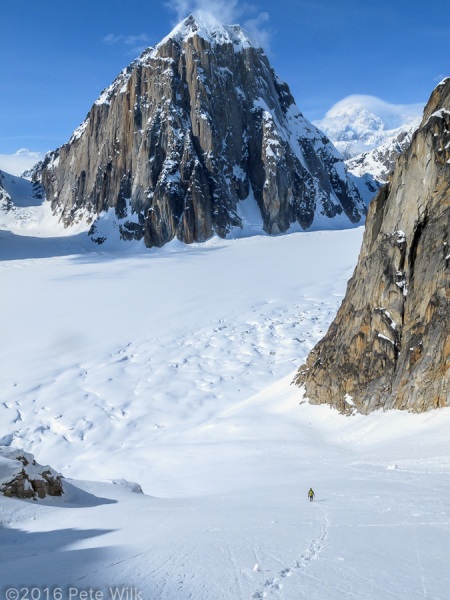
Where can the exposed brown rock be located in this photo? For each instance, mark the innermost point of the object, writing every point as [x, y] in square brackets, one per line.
[389, 346]
[185, 133]
[22, 477]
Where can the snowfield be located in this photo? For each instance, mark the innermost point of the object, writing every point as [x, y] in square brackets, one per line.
[172, 369]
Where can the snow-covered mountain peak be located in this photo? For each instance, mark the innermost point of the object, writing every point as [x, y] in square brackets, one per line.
[205, 25]
[360, 122]
[182, 163]
[200, 23]
[377, 111]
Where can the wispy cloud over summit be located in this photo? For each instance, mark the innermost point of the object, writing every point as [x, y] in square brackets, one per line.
[233, 12]
[135, 43]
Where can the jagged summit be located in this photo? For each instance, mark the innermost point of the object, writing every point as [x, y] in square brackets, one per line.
[205, 25]
[199, 24]
[193, 135]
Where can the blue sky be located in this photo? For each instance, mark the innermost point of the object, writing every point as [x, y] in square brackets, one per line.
[57, 55]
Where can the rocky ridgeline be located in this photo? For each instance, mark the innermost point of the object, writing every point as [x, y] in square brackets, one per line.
[380, 162]
[389, 346]
[22, 477]
[194, 126]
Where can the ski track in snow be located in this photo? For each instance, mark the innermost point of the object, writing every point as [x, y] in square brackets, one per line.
[316, 546]
[273, 586]
[174, 369]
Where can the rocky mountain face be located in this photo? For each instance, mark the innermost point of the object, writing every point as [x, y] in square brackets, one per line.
[389, 346]
[189, 130]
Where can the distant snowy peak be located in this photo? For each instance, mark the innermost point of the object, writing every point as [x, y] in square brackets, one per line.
[390, 115]
[361, 123]
[371, 133]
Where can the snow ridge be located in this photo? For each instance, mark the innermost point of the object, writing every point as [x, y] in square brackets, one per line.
[379, 162]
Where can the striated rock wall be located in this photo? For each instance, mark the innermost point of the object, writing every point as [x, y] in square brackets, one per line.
[191, 128]
[389, 346]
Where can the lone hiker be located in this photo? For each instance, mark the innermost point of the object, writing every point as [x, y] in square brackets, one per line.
[311, 494]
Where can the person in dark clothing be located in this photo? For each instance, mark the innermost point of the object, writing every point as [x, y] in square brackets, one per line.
[311, 494]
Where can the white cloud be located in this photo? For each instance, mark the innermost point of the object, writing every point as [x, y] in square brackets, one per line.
[227, 12]
[111, 38]
[393, 115]
[20, 161]
[136, 43]
[375, 104]
[256, 29]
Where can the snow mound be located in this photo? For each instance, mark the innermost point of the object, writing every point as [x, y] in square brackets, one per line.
[128, 485]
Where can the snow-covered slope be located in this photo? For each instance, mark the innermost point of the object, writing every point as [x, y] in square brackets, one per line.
[21, 203]
[19, 191]
[165, 335]
[25, 213]
[172, 368]
[380, 161]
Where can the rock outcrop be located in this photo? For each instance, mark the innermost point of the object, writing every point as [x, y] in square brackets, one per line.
[389, 346]
[194, 126]
[22, 477]
[5, 197]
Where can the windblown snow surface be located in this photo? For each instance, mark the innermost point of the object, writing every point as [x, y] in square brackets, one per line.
[172, 368]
